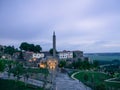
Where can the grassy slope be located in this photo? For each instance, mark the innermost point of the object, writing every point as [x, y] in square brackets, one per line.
[98, 78]
[12, 85]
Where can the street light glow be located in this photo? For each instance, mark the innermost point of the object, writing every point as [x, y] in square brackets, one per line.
[52, 63]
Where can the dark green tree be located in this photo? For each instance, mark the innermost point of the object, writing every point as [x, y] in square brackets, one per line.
[62, 63]
[85, 77]
[38, 48]
[20, 55]
[76, 64]
[51, 51]
[74, 55]
[17, 70]
[24, 46]
[85, 65]
[9, 50]
[1, 49]
[95, 63]
[100, 87]
[2, 66]
[30, 47]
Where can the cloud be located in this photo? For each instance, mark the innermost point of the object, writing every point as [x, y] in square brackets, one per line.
[112, 44]
[88, 25]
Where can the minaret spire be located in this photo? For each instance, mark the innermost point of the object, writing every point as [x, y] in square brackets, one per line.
[54, 44]
[54, 33]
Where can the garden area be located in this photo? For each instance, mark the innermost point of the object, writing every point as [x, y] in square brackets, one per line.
[96, 80]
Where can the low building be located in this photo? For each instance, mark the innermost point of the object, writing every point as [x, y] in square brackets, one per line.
[27, 55]
[15, 55]
[32, 55]
[65, 55]
[78, 53]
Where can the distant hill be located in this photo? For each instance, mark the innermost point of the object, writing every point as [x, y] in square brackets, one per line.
[103, 56]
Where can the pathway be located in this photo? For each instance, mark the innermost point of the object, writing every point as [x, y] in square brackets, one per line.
[72, 76]
[64, 82]
[112, 80]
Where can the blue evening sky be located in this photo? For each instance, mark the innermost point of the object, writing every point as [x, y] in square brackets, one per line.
[87, 25]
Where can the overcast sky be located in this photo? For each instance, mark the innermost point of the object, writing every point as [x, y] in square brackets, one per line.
[87, 25]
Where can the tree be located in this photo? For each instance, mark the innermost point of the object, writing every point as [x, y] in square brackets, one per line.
[38, 48]
[92, 81]
[85, 64]
[24, 46]
[74, 55]
[95, 63]
[85, 79]
[9, 69]
[2, 66]
[62, 63]
[9, 50]
[18, 70]
[76, 64]
[100, 87]
[51, 51]
[26, 76]
[1, 49]
[30, 47]
[20, 55]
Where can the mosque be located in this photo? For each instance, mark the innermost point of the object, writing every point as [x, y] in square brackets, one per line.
[51, 62]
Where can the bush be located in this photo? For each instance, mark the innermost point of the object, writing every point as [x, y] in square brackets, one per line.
[100, 87]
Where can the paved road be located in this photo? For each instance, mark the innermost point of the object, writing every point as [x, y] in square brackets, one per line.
[64, 82]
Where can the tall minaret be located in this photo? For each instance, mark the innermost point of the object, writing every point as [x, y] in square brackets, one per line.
[54, 45]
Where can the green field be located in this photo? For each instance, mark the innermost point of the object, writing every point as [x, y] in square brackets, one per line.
[96, 79]
[16, 85]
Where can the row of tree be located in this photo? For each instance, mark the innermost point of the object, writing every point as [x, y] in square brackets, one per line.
[78, 64]
[8, 50]
[23, 46]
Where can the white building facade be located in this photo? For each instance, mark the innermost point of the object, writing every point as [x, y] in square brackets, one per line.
[65, 55]
[38, 55]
